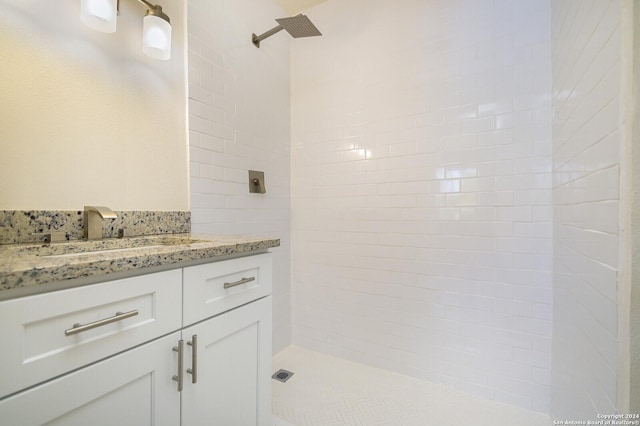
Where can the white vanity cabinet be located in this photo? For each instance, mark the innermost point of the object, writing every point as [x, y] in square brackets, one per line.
[233, 350]
[126, 368]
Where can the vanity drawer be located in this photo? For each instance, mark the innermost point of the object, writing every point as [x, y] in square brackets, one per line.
[47, 340]
[220, 286]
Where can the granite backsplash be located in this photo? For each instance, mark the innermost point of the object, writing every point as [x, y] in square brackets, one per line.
[30, 226]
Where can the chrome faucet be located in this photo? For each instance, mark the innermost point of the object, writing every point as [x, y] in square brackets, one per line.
[93, 216]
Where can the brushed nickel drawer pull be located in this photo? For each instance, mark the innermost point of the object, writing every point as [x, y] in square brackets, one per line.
[119, 316]
[180, 376]
[194, 358]
[239, 282]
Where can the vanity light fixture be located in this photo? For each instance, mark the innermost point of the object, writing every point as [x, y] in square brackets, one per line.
[101, 15]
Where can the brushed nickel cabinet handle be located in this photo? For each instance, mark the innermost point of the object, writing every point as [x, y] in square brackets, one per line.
[239, 282]
[194, 359]
[179, 377]
[119, 316]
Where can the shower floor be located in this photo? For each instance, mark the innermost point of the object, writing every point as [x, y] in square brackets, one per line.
[328, 391]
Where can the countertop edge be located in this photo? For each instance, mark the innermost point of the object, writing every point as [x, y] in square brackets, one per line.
[44, 278]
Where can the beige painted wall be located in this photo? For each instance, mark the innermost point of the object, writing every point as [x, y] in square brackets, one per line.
[85, 117]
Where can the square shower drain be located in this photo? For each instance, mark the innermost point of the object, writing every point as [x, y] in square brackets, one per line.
[282, 375]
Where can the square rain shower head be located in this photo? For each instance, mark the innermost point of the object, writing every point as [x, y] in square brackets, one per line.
[299, 26]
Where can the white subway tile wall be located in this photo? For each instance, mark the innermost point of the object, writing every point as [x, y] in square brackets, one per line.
[423, 184]
[421, 191]
[239, 120]
[586, 149]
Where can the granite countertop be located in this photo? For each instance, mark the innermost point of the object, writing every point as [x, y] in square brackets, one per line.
[25, 265]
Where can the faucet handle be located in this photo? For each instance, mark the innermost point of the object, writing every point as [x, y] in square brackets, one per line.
[124, 232]
[53, 236]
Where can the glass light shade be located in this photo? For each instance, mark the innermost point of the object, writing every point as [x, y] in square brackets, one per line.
[101, 15]
[156, 37]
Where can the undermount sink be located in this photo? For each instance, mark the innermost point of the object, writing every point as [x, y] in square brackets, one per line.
[94, 252]
[111, 245]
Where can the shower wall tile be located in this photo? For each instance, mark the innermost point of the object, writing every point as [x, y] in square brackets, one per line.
[238, 121]
[421, 191]
[586, 171]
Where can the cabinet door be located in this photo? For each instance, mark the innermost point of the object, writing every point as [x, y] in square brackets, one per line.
[233, 368]
[132, 388]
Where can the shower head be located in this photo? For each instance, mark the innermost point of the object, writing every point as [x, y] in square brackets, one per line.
[297, 26]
